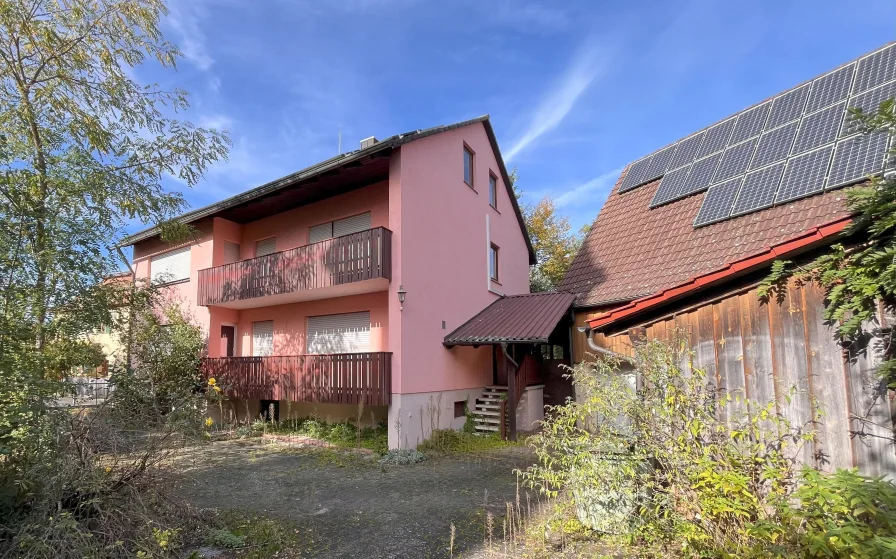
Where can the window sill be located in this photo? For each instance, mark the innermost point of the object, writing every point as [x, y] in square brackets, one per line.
[175, 282]
[473, 188]
[497, 211]
[494, 281]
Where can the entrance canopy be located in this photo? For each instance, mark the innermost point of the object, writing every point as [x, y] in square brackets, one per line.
[514, 319]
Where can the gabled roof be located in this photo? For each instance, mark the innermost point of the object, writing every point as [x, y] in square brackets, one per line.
[642, 243]
[633, 251]
[810, 239]
[343, 161]
[528, 318]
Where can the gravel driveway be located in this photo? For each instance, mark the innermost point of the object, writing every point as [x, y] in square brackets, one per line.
[344, 505]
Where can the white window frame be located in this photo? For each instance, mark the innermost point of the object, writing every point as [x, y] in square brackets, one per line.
[494, 261]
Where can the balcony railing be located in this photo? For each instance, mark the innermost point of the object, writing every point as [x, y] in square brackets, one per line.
[341, 260]
[342, 378]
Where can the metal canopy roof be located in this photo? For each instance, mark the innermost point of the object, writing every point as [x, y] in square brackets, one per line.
[528, 318]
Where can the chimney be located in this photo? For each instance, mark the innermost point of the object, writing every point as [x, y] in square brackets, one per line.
[367, 142]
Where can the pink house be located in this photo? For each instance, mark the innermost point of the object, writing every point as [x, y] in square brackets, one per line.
[339, 283]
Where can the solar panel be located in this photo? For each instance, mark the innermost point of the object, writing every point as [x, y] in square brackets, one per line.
[774, 145]
[717, 202]
[876, 69]
[686, 150]
[787, 106]
[819, 128]
[758, 190]
[672, 182]
[716, 138]
[750, 123]
[659, 162]
[869, 102]
[734, 160]
[804, 175]
[700, 176]
[857, 157]
[831, 88]
[637, 171]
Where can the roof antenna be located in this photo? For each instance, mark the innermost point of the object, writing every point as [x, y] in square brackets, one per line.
[340, 141]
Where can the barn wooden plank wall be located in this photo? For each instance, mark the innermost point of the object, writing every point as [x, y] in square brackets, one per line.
[765, 352]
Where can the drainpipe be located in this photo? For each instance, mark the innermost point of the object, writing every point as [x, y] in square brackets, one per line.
[602, 350]
[130, 341]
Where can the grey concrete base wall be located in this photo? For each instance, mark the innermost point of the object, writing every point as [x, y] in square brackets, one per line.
[419, 414]
[531, 409]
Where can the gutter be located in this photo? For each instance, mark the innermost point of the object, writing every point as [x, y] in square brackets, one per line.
[810, 238]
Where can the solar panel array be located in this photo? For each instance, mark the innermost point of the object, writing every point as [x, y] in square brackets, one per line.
[797, 144]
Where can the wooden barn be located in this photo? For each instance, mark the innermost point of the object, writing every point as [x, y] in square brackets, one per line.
[690, 230]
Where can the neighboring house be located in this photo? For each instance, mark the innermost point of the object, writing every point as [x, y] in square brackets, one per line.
[337, 284]
[110, 339]
[690, 230]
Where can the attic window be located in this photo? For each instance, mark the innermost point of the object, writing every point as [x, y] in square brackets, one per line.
[468, 166]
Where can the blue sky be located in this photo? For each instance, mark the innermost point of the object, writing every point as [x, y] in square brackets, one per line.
[576, 90]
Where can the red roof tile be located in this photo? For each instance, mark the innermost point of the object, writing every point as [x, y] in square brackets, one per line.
[633, 250]
[517, 318]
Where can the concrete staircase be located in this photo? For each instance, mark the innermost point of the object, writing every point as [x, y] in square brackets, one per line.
[487, 410]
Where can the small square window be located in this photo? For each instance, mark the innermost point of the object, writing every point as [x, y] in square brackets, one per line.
[493, 190]
[459, 408]
[468, 166]
[493, 262]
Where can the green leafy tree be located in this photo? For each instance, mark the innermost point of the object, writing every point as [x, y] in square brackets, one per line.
[552, 237]
[858, 275]
[84, 149]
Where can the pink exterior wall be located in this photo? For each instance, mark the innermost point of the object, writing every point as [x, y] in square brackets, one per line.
[292, 227]
[184, 293]
[290, 321]
[444, 258]
[439, 255]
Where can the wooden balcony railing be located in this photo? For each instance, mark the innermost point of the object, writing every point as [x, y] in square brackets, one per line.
[347, 259]
[342, 378]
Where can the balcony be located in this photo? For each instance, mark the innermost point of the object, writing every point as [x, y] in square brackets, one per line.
[343, 378]
[347, 265]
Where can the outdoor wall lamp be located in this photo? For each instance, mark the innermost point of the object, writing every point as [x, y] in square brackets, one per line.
[401, 296]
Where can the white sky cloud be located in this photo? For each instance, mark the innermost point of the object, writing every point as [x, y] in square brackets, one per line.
[587, 66]
[183, 19]
[579, 193]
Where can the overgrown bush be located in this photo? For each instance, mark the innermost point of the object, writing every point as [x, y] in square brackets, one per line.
[163, 383]
[91, 486]
[656, 454]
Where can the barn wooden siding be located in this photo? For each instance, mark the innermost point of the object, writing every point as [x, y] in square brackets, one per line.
[760, 350]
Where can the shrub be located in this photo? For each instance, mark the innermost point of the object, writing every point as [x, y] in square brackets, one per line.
[449, 440]
[402, 456]
[224, 538]
[672, 463]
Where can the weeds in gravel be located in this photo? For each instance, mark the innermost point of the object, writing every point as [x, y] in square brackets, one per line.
[451, 441]
[262, 536]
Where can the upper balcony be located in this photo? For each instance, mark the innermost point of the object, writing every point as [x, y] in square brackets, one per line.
[348, 265]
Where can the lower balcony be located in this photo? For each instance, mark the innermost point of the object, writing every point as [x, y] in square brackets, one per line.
[342, 378]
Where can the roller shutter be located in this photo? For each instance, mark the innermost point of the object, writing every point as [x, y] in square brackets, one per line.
[171, 266]
[339, 333]
[263, 338]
